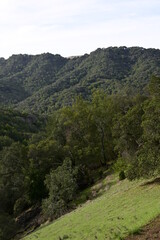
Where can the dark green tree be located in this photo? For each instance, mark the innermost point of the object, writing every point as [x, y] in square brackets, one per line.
[62, 187]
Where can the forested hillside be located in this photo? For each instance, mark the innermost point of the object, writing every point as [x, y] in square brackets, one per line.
[48, 160]
[45, 82]
[16, 129]
[51, 163]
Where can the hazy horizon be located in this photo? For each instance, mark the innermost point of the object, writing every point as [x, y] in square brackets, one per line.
[71, 28]
[73, 55]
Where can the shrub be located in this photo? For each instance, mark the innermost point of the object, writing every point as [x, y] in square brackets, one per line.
[120, 165]
[122, 176]
[82, 176]
[62, 187]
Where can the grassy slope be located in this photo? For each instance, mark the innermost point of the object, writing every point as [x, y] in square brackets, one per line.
[121, 210]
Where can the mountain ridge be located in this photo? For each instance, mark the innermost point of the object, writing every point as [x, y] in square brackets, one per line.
[43, 82]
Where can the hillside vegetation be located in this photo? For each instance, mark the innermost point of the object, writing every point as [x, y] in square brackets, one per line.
[48, 157]
[45, 82]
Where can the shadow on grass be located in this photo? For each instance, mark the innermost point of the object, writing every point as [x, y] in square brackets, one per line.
[132, 234]
[154, 181]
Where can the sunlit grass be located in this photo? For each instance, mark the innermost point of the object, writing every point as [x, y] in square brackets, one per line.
[121, 210]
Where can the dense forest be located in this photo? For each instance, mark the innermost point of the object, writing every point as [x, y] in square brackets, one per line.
[114, 124]
[43, 83]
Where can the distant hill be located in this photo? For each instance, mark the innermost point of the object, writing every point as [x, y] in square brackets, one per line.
[44, 82]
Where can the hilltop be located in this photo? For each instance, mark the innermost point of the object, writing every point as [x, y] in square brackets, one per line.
[45, 82]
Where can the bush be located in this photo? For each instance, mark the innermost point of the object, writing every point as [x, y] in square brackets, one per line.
[82, 176]
[62, 187]
[122, 176]
[120, 165]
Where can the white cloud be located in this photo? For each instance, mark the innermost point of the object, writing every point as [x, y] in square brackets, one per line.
[72, 27]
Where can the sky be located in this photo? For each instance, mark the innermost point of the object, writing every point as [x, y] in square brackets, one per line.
[76, 27]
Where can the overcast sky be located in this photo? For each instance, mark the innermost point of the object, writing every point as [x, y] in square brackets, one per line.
[75, 27]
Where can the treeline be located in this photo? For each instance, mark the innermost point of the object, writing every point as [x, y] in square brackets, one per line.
[51, 166]
[45, 82]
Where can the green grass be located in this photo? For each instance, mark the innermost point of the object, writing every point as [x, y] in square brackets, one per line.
[122, 209]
